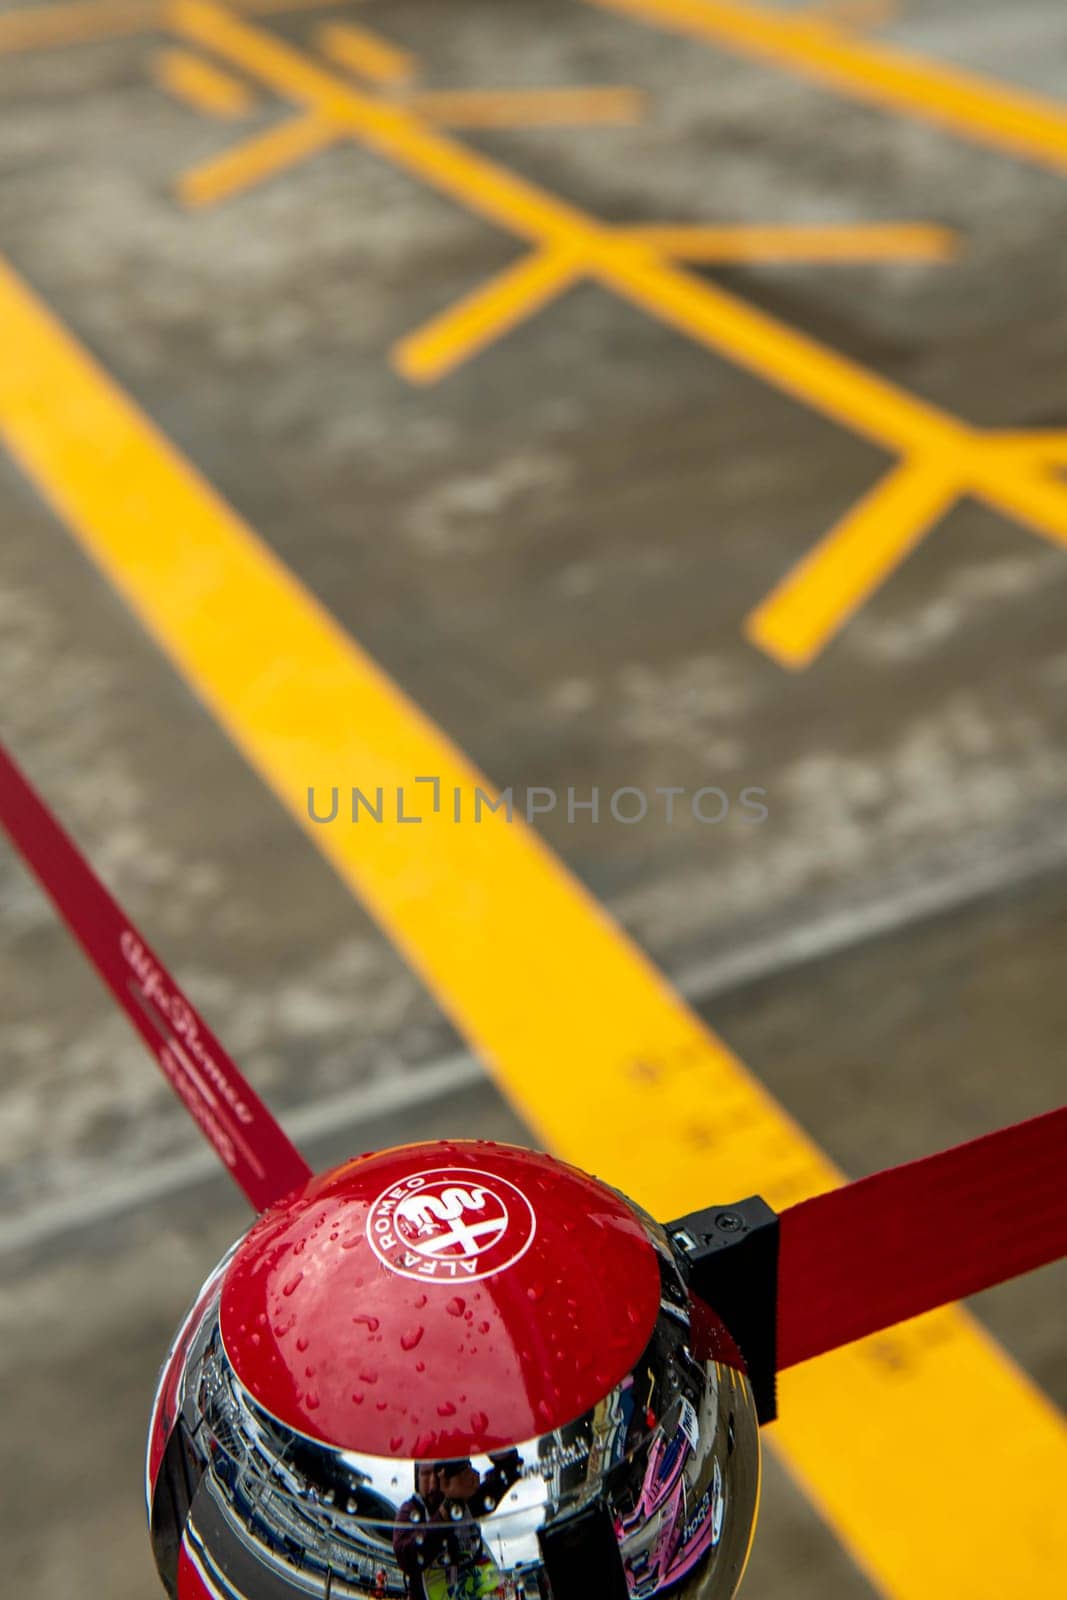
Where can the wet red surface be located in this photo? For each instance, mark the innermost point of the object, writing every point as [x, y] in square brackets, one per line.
[425, 1301]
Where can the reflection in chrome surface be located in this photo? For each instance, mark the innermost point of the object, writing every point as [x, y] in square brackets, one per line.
[670, 1456]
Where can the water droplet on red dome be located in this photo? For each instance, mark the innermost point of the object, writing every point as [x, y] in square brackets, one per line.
[518, 1337]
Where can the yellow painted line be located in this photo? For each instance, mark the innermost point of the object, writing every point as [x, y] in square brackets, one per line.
[895, 1439]
[841, 389]
[855, 558]
[495, 307]
[1034, 446]
[862, 401]
[814, 374]
[977, 108]
[871, 241]
[817, 598]
[366, 53]
[205, 87]
[261, 157]
[528, 108]
[483, 316]
[386, 127]
[53, 27]
[1027, 494]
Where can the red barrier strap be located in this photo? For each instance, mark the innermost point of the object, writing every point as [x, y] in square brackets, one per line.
[851, 1262]
[259, 1156]
[906, 1240]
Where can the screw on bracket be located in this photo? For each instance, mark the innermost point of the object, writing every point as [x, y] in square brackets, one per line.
[730, 1258]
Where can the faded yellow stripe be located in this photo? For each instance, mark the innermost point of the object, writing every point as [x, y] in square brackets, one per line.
[1038, 445]
[205, 87]
[795, 364]
[907, 1456]
[261, 157]
[53, 27]
[981, 109]
[856, 241]
[484, 315]
[861, 400]
[366, 53]
[819, 596]
[527, 108]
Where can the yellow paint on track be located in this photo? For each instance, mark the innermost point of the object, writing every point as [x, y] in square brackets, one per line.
[80, 22]
[857, 555]
[53, 27]
[814, 601]
[724, 323]
[491, 310]
[860, 400]
[485, 315]
[205, 87]
[528, 108]
[264, 155]
[639, 264]
[366, 53]
[792, 242]
[908, 1443]
[981, 109]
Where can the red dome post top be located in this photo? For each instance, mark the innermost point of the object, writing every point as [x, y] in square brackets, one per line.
[440, 1300]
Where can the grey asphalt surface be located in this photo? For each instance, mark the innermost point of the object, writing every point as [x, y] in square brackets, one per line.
[553, 553]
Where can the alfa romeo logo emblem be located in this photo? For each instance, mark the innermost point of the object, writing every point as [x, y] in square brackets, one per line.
[451, 1223]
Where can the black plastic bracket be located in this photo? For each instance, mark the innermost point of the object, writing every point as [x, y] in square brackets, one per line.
[582, 1558]
[730, 1257]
